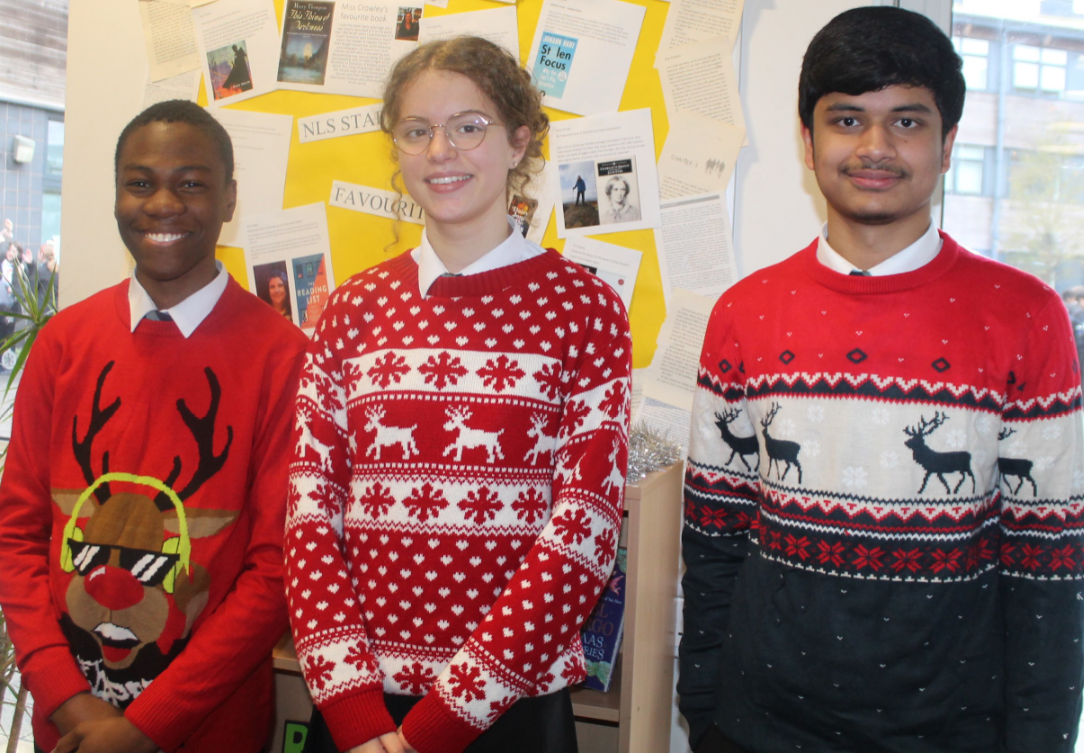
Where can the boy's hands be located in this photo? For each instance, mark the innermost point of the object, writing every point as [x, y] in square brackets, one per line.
[115, 735]
[82, 707]
[388, 743]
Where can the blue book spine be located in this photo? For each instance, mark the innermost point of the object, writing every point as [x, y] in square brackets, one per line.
[602, 633]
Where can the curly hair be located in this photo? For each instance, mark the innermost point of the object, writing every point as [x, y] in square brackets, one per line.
[496, 74]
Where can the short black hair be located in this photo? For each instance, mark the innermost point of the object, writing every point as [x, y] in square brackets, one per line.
[180, 111]
[868, 49]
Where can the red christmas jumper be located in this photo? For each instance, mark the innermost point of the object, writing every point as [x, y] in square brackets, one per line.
[141, 517]
[884, 513]
[455, 493]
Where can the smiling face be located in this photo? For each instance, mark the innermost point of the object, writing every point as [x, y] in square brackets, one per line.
[172, 198]
[459, 190]
[276, 289]
[878, 156]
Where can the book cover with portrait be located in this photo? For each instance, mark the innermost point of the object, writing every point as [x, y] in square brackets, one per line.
[618, 191]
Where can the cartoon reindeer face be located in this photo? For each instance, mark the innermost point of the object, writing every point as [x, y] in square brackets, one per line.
[132, 551]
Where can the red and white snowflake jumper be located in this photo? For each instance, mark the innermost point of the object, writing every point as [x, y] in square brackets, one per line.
[455, 492]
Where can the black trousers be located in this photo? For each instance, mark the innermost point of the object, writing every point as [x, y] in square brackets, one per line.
[714, 741]
[532, 725]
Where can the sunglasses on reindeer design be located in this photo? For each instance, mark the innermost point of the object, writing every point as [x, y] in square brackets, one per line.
[148, 567]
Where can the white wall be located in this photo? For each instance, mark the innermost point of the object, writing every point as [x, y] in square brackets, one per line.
[106, 70]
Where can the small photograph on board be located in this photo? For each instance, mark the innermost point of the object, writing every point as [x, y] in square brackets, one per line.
[618, 191]
[406, 24]
[521, 210]
[305, 40]
[311, 289]
[272, 287]
[579, 194]
[230, 73]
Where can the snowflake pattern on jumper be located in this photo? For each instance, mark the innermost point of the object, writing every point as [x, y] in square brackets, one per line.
[456, 531]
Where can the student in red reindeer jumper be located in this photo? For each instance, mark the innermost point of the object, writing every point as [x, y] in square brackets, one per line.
[456, 487]
[883, 500]
[144, 495]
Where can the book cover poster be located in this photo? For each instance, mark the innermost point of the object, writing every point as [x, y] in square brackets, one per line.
[306, 35]
[229, 69]
[618, 191]
[311, 289]
[601, 634]
[554, 61]
[521, 210]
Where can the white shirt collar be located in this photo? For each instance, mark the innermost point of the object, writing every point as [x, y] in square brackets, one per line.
[189, 313]
[512, 250]
[917, 255]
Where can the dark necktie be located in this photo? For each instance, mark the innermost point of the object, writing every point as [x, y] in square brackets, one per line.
[860, 273]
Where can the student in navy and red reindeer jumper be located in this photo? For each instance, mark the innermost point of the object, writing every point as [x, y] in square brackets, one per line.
[883, 495]
[144, 494]
[457, 486]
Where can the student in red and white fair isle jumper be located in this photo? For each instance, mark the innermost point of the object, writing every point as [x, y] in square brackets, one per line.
[461, 443]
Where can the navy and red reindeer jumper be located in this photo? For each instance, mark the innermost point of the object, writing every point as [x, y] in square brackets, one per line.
[883, 513]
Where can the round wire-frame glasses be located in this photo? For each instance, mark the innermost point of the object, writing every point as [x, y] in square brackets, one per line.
[464, 131]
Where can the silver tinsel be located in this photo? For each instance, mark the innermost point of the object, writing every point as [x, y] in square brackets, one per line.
[649, 450]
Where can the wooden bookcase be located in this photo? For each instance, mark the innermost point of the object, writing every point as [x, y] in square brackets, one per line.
[641, 694]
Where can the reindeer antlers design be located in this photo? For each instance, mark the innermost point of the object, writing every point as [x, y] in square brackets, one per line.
[201, 427]
[98, 419]
[203, 431]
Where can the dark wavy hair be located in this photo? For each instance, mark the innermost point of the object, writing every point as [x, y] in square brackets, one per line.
[180, 111]
[870, 48]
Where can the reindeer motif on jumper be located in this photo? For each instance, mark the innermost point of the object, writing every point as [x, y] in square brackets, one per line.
[933, 462]
[135, 593]
[739, 445]
[388, 436]
[543, 442]
[1018, 467]
[307, 440]
[780, 450]
[468, 438]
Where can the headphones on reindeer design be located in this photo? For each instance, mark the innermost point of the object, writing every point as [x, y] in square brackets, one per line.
[149, 568]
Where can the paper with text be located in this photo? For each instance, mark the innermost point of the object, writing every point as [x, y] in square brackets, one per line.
[698, 157]
[238, 42]
[339, 47]
[330, 125]
[616, 265]
[690, 21]
[700, 78]
[375, 201]
[582, 51]
[182, 86]
[670, 422]
[288, 259]
[498, 25]
[607, 178]
[695, 247]
[169, 37]
[671, 378]
[261, 149]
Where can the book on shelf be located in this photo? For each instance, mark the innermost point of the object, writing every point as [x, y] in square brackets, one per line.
[601, 634]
